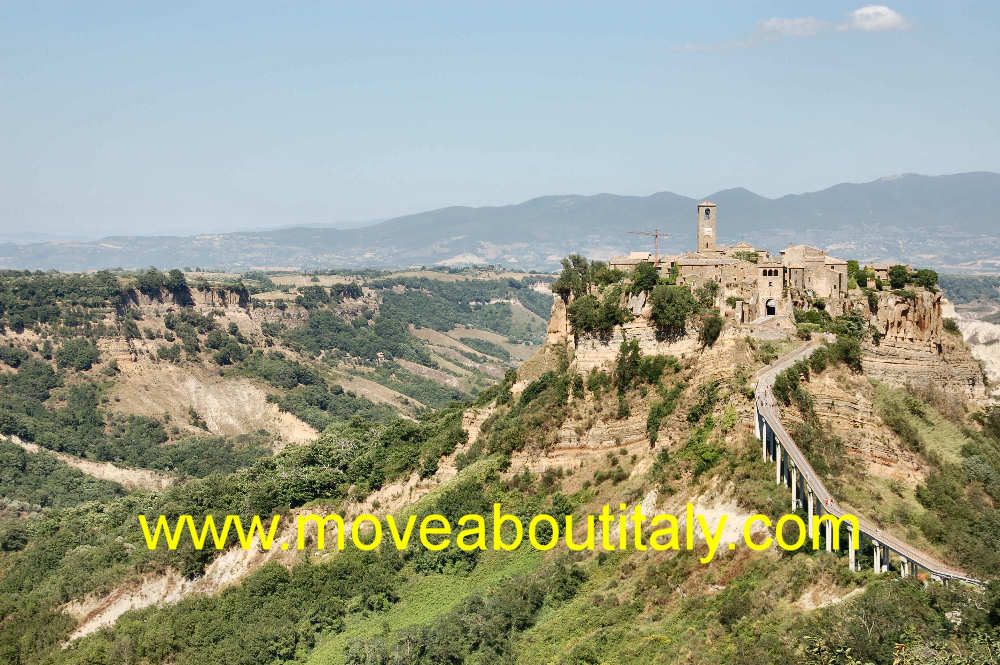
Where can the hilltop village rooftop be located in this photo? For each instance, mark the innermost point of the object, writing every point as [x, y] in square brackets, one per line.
[753, 283]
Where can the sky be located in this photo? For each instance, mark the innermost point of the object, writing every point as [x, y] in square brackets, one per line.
[182, 118]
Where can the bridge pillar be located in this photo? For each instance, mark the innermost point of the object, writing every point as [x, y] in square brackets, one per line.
[795, 486]
[778, 454]
[877, 555]
[829, 536]
[851, 556]
[904, 566]
[810, 499]
[762, 435]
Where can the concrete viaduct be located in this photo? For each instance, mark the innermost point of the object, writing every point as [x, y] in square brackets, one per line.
[794, 471]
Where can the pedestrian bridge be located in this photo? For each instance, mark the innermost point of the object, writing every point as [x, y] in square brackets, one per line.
[793, 470]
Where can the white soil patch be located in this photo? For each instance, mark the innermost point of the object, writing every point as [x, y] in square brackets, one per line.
[228, 406]
[133, 479]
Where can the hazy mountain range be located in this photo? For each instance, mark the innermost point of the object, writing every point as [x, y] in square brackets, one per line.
[948, 222]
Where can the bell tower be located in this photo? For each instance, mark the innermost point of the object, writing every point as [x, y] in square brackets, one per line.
[706, 226]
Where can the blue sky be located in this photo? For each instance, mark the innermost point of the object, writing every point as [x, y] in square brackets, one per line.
[184, 118]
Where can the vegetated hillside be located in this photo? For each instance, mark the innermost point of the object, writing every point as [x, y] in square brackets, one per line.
[642, 428]
[907, 218]
[151, 371]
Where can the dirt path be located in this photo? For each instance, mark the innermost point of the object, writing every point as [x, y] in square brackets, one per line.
[133, 479]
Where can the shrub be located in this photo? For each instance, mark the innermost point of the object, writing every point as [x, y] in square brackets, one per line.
[657, 412]
[598, 381]
[707, 396]
[711, 328]
[13, 357]
[78, 353]
[805, 330]
[847, 350]
[818, 360]
[170, 352]
[951, 326]
[624, 409]
[652, 367]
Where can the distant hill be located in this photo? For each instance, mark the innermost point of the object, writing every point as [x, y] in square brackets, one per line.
[948, 222]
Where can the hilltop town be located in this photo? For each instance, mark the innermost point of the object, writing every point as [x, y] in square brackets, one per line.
[753, 284]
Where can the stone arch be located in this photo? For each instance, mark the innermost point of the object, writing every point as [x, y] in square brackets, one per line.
[770, 307]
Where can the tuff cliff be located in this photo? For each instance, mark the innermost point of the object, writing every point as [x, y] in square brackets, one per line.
[907, 342]
[591, 351]
[909, 345]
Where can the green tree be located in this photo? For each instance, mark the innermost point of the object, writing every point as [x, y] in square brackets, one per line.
[706, 293]
[627, 364]
[175, 281]
[925, 278]
[574, 279]
[151, 282]
[645, 277]
[671, 307]
[898, 276]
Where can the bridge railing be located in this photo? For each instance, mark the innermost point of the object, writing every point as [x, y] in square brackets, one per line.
[766, 411]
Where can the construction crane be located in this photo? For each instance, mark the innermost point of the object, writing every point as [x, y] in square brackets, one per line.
[656, 239]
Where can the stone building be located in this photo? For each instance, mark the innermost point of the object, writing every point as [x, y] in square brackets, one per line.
[754, 285]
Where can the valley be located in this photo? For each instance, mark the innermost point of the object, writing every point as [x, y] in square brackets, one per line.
[293, 394]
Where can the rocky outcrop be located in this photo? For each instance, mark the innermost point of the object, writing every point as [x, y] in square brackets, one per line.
[909, 345]
[591, 351]
[558, 330]
[220, 297]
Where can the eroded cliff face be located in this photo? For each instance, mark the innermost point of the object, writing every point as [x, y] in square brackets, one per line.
[591, 351]
[845, 403]
[912, 346]
[213, 296]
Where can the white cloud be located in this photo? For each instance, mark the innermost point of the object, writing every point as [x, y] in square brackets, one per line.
[876, 18]
[870, 18]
